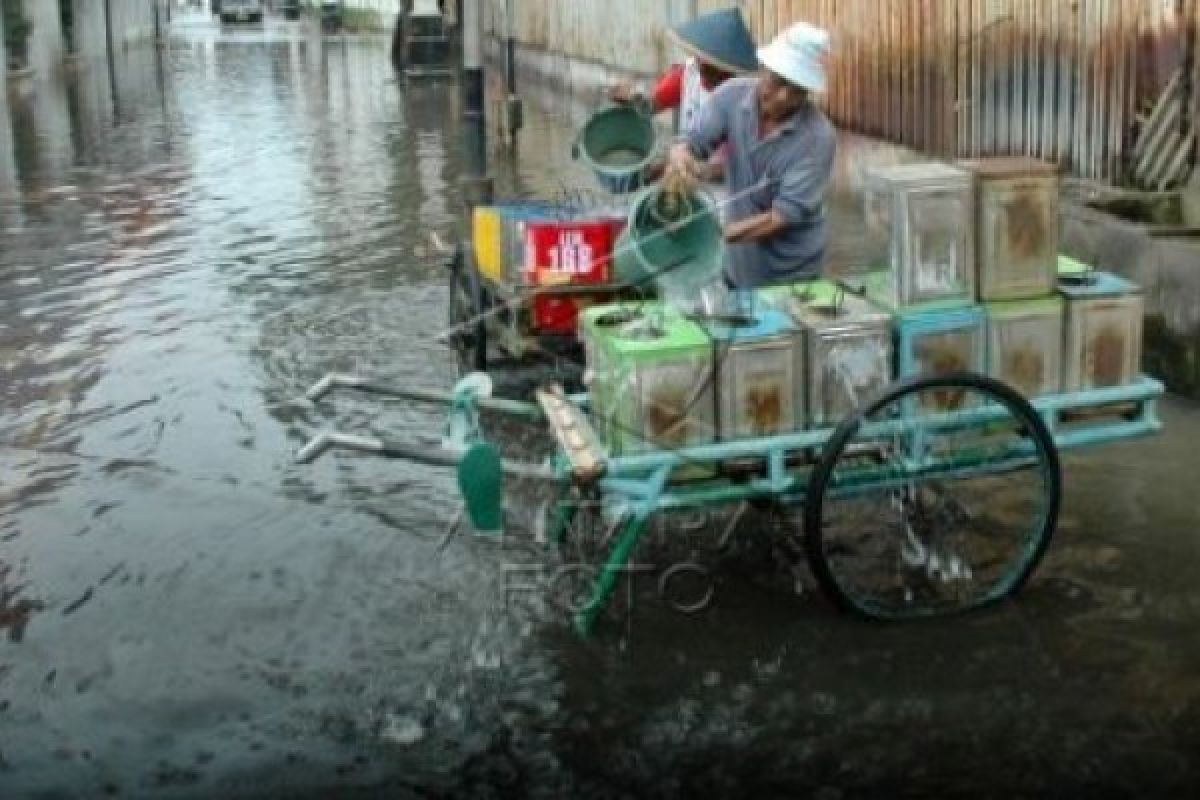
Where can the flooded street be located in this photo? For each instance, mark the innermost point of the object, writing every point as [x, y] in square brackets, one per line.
[186, 245]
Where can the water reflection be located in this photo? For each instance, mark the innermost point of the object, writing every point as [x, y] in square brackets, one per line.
[15, 610]
[8, 165]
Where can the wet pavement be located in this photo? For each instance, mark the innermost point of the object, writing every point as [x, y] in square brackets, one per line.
[188, 243]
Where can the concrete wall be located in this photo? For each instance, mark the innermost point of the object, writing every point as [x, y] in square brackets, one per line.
[46, 46]
[90, 30]
[615, 33]
[8, 165]
[133, 20]
[132, 23]
[583, 46]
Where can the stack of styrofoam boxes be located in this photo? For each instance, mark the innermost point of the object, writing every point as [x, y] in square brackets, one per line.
[1016, 229]
[974, 280]
[1046, 333]
[926, 215]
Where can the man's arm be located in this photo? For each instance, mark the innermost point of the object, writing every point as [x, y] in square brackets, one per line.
[758, 228]
[802, 187]
[801, 195]
[710, 129]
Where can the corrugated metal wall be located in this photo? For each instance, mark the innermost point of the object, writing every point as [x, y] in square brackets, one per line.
[1056, 79]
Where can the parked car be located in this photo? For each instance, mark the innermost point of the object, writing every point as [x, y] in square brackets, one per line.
[241, 11]
[331, 16]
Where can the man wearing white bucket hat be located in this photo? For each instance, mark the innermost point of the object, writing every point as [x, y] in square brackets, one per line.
[780, 156]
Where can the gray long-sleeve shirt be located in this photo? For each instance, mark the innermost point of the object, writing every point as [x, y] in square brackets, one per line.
[788, 171]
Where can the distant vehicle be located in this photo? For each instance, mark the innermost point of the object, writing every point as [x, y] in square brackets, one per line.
[241, 11]
[331, 16]
[290, 8]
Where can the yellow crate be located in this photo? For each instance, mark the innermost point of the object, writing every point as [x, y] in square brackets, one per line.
[487, 237]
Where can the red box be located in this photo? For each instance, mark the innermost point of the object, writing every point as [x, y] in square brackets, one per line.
[556, 314]
[564, 253]
[569, 251]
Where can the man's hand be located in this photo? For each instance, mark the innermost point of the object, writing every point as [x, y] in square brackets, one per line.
[623, 93]
[714, 171]
[681, 161]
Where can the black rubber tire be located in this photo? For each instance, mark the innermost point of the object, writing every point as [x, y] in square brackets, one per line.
[1037, 541]
[468, 301]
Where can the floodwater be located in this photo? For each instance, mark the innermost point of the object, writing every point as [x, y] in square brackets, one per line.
[186, 245]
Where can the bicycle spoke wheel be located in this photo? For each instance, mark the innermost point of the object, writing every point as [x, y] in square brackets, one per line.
[917, 512]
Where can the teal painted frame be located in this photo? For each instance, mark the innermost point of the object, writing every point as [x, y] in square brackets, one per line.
[641, 484]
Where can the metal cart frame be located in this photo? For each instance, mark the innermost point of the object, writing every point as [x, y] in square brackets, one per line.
[871, 451]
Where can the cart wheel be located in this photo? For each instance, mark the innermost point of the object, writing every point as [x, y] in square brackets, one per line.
[467, 305]
[940, 496]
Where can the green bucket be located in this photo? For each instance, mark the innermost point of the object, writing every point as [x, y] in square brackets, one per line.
[618, 144]
[677, 247]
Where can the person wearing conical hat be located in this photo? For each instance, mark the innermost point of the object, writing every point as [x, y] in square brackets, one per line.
[719, 47]
[780, 152]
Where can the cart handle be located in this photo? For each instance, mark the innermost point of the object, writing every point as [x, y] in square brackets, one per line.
[497, 405]
[433, 456]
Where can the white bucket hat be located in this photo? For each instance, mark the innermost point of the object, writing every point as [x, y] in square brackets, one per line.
[798, 56]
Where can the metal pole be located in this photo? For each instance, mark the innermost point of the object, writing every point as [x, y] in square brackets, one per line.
[514, 112]
[510, 49]
[498, 405]
[473, 57]
[477, 186]
[1187, 118]
[111, 50]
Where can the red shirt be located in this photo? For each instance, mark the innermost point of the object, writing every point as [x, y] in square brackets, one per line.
[668, 93]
